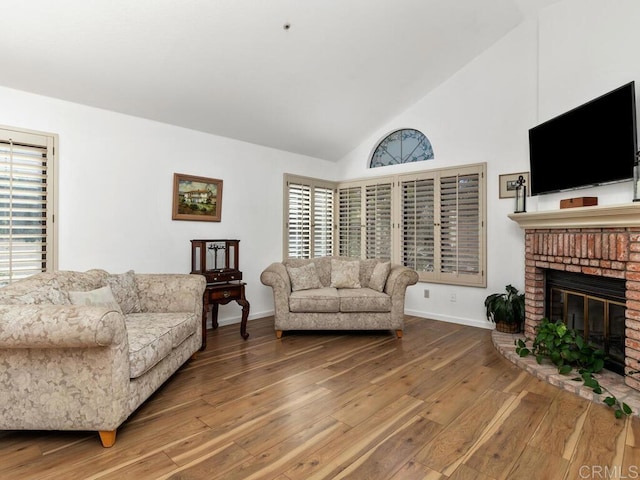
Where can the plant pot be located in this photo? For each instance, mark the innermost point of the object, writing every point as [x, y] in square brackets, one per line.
[508, 327]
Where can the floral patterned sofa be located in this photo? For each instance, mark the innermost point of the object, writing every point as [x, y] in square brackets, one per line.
[83, 350]
[338, 293]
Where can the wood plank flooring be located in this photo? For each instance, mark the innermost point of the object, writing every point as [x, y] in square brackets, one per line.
[439, 403]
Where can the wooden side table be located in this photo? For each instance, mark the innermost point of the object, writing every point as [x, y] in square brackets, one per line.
[220, 294]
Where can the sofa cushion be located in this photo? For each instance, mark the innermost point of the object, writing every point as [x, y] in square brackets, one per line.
[363, 300]
[125, 290]
[99, 296]
[345, 273]
[379, 276]
[304, 277]
[324, 300]
[152, 336]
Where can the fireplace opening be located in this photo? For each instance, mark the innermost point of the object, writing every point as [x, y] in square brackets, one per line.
[594, 306]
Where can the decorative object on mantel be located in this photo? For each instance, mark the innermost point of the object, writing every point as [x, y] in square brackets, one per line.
[196, 198]
[521, 195]
[509, 182]
[579, 202]
[506, 310]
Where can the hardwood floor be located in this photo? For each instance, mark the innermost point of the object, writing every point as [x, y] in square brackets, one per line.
[439, 403]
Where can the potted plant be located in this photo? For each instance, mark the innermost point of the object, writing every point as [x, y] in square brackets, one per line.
[506, 310]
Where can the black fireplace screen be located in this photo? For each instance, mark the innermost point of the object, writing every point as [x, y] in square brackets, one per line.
[593, 306]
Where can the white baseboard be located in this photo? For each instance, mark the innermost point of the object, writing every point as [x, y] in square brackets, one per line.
[443, 318]
[471, 322]
[233, 320]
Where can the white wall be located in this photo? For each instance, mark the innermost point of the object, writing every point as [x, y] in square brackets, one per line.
[116, 171]
[587, 48]
[115, 189]
[575, 51]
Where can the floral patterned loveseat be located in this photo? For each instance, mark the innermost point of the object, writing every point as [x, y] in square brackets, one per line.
[83, 350]
[338, 293]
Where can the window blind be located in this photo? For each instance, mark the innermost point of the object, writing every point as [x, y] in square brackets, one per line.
[299, 221]
[460, 220]
[378, 225]
[323, 222]
[418, 224]
[350, 221]
[26, 230]
[309, 213]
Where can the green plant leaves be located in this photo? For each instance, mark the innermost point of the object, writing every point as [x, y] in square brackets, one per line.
[565, 369]
[568, 350]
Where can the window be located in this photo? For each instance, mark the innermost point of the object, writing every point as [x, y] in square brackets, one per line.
[442, 226]
[431, 221]
[309, 226]
[27, 204]
[402, 146]
[365, 218]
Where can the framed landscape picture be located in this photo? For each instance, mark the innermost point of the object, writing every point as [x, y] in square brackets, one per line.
[196, 198]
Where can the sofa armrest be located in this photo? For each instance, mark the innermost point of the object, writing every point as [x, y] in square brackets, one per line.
[277, 277]
[60, 326]
[400, 277]
[171, 292]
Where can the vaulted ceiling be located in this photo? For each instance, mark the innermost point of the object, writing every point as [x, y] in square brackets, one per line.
[314, 77]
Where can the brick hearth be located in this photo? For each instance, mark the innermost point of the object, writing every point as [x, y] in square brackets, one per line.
[608, 252]
[599, 240]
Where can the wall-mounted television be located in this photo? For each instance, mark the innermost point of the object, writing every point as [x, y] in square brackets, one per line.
[593, 144]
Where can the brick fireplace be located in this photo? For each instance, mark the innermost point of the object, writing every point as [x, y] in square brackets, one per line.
[597, 241]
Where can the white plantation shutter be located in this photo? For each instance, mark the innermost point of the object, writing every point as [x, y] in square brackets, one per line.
[442, 234]
[418, 224]
[431, 221]
[378, 223]
[27, 233]
[350, 221]
[299, 221]
[309, 210]
[322, 222]
[460, 224]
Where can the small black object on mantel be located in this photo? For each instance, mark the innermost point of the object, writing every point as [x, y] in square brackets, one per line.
[521, 195]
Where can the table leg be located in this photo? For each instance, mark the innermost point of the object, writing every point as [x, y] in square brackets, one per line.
[242, 301]
[205, 311]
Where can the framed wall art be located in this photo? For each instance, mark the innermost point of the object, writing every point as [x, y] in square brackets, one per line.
[508, 184]
[196, 198]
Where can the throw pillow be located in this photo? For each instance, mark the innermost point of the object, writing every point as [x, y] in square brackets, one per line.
[345, 273]
[125, 290]
[304, 278]
[379, 276]
[100, 296]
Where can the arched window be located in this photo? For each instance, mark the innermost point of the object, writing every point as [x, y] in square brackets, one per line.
[402, 146]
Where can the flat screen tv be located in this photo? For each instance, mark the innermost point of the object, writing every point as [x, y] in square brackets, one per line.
[593, 144]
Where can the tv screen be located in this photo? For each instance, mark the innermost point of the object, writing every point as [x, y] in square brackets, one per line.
[593, 144]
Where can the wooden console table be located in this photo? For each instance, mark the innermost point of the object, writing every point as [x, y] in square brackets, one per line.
[220, 294]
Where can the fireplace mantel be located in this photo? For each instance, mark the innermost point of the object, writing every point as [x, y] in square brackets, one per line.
[601, 216]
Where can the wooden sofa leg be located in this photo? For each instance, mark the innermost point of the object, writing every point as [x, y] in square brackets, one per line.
[108, 438]
[278, 333]
[399, 333]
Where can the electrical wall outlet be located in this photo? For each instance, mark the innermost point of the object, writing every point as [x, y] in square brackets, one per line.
[452, 297]
[426, 293]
